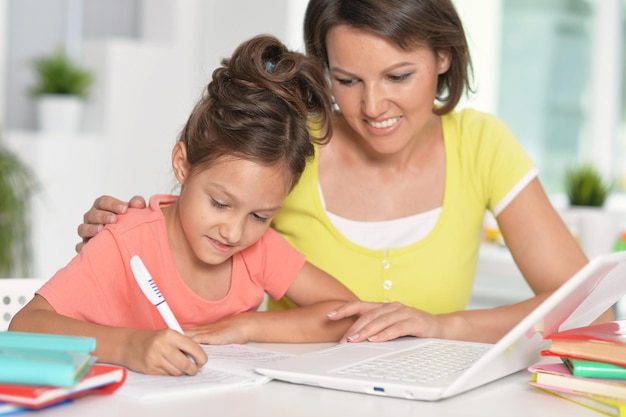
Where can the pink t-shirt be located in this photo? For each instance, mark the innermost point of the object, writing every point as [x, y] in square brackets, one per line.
[98, 285]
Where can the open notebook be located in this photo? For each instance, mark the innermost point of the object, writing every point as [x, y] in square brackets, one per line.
[580, 300]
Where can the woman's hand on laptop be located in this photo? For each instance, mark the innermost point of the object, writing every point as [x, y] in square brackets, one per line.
[379, 322]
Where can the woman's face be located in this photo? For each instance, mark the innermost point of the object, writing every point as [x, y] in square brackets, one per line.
[385, 93]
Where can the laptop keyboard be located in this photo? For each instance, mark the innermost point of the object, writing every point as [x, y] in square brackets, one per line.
[422, 364]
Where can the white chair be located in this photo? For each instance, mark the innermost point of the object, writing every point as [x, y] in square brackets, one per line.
[14, 294]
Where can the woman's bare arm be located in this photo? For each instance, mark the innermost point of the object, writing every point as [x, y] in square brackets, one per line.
[543, 248]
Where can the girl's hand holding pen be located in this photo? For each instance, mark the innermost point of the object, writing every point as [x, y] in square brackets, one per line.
[153, 294]
[163, 352]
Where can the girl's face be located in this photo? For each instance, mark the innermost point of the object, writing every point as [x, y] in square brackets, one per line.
[227, 207]
[385, 93]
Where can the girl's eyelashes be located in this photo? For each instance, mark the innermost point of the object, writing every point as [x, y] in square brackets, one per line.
[260, 219]
[217, 204]
[255, 216]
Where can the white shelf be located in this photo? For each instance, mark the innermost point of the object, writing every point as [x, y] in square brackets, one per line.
[69, 178]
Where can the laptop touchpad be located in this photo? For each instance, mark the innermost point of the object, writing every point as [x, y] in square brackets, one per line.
[355, 352]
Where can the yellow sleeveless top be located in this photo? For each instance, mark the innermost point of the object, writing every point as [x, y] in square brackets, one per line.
[484, 162]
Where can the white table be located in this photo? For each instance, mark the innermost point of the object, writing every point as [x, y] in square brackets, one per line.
[510, 396]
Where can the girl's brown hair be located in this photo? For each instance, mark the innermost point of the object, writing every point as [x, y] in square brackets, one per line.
[259, 106]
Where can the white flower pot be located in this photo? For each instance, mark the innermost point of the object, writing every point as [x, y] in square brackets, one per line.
[597, 229]
[59, 113]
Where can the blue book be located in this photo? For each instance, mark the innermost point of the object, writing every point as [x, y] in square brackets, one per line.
[47, 341]
[8, 409]
[44, 359]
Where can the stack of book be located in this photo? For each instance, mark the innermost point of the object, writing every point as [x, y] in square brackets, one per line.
[592, 367]
[40, 370]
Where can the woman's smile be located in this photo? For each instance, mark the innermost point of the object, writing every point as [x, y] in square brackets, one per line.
[384, 127]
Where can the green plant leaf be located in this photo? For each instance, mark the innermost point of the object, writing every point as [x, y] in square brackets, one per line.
[17, 183]
[585, 186]
[57, 74]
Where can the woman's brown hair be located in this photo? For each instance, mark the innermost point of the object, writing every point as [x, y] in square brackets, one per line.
[409, 24]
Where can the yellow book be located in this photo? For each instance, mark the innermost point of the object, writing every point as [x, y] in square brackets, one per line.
[606, 406]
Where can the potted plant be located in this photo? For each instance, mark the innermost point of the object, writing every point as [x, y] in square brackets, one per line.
[17, 184]
[585, 186]
[60, 90]
[587, 191]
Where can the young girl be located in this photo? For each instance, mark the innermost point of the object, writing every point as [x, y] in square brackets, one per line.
[210, 250]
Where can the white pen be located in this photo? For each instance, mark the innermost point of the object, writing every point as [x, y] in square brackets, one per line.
[151, 291]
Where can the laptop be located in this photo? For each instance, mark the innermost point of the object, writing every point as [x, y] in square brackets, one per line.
[579, 301]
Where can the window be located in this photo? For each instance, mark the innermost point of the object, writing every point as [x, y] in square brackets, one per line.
[558, 70]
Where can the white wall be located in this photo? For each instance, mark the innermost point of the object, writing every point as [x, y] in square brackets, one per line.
[482, 24]
[145, 88]
[3, 38]
[146, 83]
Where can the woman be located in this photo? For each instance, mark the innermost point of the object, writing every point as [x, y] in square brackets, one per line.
[393, 205]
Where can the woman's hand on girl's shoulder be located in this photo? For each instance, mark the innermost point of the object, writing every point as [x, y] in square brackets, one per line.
[104, 211]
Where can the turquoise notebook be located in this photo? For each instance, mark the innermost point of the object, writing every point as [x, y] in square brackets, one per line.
[47, 341]
[44, 359]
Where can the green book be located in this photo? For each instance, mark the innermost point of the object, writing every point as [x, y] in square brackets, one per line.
[592, 369]
[44, 359]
